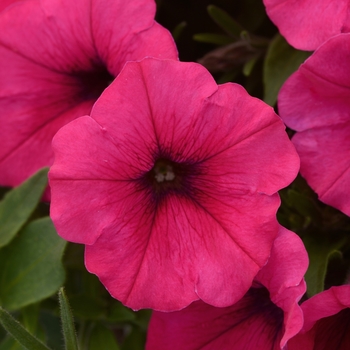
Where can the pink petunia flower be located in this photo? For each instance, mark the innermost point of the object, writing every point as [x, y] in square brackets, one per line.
[265, 318]
[306, 24]
[327, 321]
[315, 101]
[171, 183]
[56, 58]
[6, 3]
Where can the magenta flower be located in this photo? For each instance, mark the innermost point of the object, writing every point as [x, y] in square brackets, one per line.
[306, 24]
[5, 3]
[326, 321]
[265, 318]
[56, 58]
[171, 184]
[315, 101]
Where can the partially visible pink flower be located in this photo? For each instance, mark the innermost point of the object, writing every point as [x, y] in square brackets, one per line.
[306, 24]
[56, 58]
[315, 101]
[326, 321]
[265, 318]
[6, 3]
[171, 184]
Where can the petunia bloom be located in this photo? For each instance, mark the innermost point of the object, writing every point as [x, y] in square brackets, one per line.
[265, 318]
[306, 24]
[6, 3]
[171, 184]
[326, 321]
[315, 101]
[56, 57]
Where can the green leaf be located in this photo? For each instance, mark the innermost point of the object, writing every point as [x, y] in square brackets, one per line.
[10, 344]
[68, 328]
[210, 38]
[30, 267]
[19, 204]
[249, 66]
[225, 21]
[281, 61]
[101, 335]
[319, 253]
[18, 332]
[30, 317]
[177, 31]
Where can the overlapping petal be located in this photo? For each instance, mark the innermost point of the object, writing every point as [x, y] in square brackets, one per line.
[56, 57]
[283, 278]
[214, 230]
[315, 101]
[306, 24]
[265, 318]
[327, 321]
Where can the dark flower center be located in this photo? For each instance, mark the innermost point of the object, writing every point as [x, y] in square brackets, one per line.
[167, 176]
[93, 83]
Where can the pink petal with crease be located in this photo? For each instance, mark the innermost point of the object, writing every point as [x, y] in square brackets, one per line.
[57, 56]
[265, 318]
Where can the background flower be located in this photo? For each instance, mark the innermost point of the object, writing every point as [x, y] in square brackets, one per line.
[171, 184]
[306, 24]
[315, 101]
[327, 321]
[56, 57]
[5, 3]
[265, 318]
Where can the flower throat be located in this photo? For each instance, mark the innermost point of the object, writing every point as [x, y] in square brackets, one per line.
[167, 176]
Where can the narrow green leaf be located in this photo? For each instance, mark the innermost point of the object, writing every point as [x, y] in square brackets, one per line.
[19, 333]
[30, 267]
[225, 21]
[68, 328]
[249, 66]
[177, 31]
[102, 335]
[18, 205]
[281, 61]
[210, 38]
[319, 253]
[30, 317]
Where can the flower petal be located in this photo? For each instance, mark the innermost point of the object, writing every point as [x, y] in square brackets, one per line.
[252, 323]
[174, 253]
[317, 94]
[315, 101]
[327, 320]
[306, 24]
[257, 321]
[283, 276]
